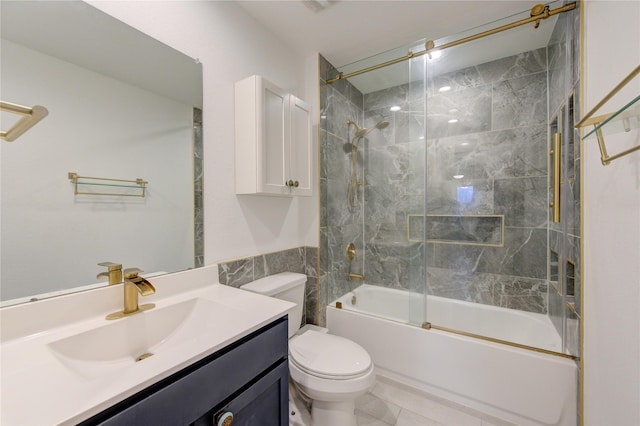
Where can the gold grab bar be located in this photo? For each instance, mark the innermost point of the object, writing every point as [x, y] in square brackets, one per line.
[140, 184]
[31, 117]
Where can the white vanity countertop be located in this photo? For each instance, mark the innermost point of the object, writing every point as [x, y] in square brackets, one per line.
[38, 389]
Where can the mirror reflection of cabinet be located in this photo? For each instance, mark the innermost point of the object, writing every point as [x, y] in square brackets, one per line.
[273, 140]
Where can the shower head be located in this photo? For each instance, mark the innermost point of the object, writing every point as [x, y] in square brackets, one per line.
[362, 132]
[382, 124]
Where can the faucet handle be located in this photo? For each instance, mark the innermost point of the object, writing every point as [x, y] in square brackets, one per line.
[132, 272]
[113, 274]
[111, 266]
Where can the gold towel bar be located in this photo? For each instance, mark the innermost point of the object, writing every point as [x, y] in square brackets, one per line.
[138, 184]
[31, 117]
[602, 120]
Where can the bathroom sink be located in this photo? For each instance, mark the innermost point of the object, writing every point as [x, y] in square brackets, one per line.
[124, 342]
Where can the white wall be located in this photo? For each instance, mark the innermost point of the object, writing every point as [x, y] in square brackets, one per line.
[97, 126]
[611, 312]
[231, 46]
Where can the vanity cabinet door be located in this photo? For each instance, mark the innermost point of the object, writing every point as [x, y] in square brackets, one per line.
[242, 375]
[265, 403]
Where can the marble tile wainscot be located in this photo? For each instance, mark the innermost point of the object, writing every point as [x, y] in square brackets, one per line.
[303, 260]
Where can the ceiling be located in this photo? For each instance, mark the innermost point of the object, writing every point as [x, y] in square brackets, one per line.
[350, 30]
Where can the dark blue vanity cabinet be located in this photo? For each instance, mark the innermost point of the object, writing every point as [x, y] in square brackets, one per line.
[243, 384]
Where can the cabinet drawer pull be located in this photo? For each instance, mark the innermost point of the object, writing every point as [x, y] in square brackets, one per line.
[224, 419]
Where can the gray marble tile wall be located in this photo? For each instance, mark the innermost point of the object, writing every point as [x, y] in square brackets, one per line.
[198, 208]
[303, 260]
[498, 144]
[340, 224]
[573, 312]
[564, 237]
[525, 294]
[395, 187]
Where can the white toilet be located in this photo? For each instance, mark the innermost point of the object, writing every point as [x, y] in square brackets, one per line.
[329, 370]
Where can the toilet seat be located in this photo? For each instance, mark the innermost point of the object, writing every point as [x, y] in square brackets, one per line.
[327, 356]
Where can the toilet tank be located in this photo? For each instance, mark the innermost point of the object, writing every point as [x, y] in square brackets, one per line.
[287, 286]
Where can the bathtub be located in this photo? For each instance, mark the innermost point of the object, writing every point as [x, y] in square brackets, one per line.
[512, 383]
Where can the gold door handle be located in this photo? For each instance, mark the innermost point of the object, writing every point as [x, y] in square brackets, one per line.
[557, 157]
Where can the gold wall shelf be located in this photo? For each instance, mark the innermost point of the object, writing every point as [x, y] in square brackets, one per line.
[31, 117]
[625, 119]
[128, 188]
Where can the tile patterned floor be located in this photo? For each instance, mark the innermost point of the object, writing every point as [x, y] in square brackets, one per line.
[391, 404]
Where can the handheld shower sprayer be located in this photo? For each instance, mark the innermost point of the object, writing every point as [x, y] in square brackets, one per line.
[354, 194]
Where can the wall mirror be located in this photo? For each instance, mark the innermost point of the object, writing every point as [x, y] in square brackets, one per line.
[121, 105]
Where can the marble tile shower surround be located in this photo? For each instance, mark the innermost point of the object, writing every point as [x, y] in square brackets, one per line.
[339, 223]
[303, 260]
[525, 294]
[499, 144]
[564, 237]
[505, 180]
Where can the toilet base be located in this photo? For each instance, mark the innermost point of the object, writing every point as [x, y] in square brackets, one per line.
[325, 413]
[299, 414]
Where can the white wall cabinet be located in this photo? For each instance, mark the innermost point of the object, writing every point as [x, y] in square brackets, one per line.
[273, 140]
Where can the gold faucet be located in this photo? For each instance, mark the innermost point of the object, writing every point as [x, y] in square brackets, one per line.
[134, 284]
[114, 272]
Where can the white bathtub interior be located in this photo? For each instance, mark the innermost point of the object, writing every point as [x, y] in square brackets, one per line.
[518, 385]
[509, 325]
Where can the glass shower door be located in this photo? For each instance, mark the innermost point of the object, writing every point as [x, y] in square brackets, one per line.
[394, 190]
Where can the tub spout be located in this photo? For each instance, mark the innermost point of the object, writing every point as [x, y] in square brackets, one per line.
[354, 276]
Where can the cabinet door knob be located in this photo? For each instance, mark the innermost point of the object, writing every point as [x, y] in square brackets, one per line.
[296, 184]
[290, 183]
[224, 419]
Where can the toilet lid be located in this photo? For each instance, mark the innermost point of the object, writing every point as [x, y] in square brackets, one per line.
[326, 355]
